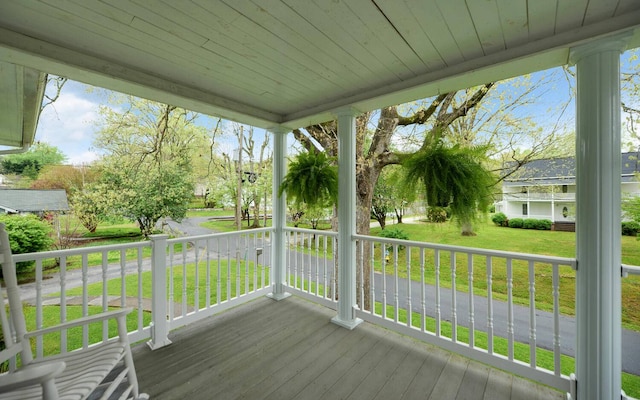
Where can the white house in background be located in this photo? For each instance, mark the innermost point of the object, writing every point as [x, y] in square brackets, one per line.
[546, 189]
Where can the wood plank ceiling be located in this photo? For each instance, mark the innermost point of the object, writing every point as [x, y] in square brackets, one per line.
[293, 62]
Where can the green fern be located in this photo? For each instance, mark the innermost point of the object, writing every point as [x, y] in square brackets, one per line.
[452, 177]
[312, 179]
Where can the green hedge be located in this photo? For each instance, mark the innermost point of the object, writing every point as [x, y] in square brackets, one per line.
[516, 223]
[529, 223]
[630, 228]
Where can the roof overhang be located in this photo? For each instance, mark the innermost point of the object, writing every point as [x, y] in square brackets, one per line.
[292, 63]
[21, 93]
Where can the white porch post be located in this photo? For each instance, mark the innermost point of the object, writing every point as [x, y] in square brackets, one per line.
[598, 304]
[160, 327]
[346, 220]
[279, 215]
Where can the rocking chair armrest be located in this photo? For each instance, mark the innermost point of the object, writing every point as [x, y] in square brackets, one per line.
[30, 375]
[115, 314]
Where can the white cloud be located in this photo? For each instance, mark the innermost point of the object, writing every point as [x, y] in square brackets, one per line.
[69, 124]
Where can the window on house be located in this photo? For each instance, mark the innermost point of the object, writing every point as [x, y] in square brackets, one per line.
[564, 188]
[525, 209]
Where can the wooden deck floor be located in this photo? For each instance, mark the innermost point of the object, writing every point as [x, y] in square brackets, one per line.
[291, 350]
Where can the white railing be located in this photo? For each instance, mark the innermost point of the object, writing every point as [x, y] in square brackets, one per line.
[310, 265]
[464, 300]
[475, 302]
[532, 196]
[182, 279]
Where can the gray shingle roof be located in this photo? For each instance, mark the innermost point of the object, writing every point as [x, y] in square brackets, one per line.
[28, 200]
[562, 171]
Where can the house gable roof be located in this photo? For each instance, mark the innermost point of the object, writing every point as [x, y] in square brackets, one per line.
[562, 171]
[28, 200]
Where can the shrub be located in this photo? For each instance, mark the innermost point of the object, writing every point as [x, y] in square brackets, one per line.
[530, 223]
[544, 224]
[492, 208]
[516, 223]
[436, 214]
[27, 234]
[500, 219]
[630, 228]
[394, 233]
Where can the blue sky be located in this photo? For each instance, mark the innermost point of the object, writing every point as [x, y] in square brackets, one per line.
[70, 123]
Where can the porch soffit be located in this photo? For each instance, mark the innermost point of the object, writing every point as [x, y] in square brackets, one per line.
[293, 62]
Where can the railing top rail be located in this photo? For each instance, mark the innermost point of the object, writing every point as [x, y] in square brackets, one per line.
[310, 231]
[630, 269]
[219, 234]
[485, 252]
[79, 251]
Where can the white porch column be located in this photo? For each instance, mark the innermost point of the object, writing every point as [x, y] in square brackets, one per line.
[160, 327]
[279, 215]
[598, 304]
[346, 220]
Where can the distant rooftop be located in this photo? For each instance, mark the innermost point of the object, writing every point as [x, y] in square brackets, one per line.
[33, 201]
[562, 171]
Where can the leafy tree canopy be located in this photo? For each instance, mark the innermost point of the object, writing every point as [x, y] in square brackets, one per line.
[147, 167]
[31, 162]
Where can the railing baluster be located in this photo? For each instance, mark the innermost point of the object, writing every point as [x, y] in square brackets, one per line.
[396, 296]
[140, 307]
[296, 266]
[510, 308]
[207, 300]
[454, 306]
[317, 263]
[184, 279]
[489, 305]
[471, 302]
[105, 294]
[85, 299]
[423, 301]
[326, 266]
[39, 342]
[228, 268]
[196, 291]
[238, 266]
[218, 272]
[247, 268]
[532, 315]
[123, 276]
[309, 263]
[63, 300]
[372, 280]
[383, 252]
[171, 283]
[334, 275]
[256, 245]
[409, 314]
[360, 244]
[437, 271]
[556, 319]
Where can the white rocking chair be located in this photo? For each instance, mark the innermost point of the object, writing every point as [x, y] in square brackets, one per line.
[73, 375]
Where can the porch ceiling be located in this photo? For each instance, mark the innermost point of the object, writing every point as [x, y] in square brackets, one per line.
[293, 62]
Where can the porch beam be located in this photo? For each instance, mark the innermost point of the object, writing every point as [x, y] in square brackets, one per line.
[346, 219]
[598, 302]
[279, 215]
